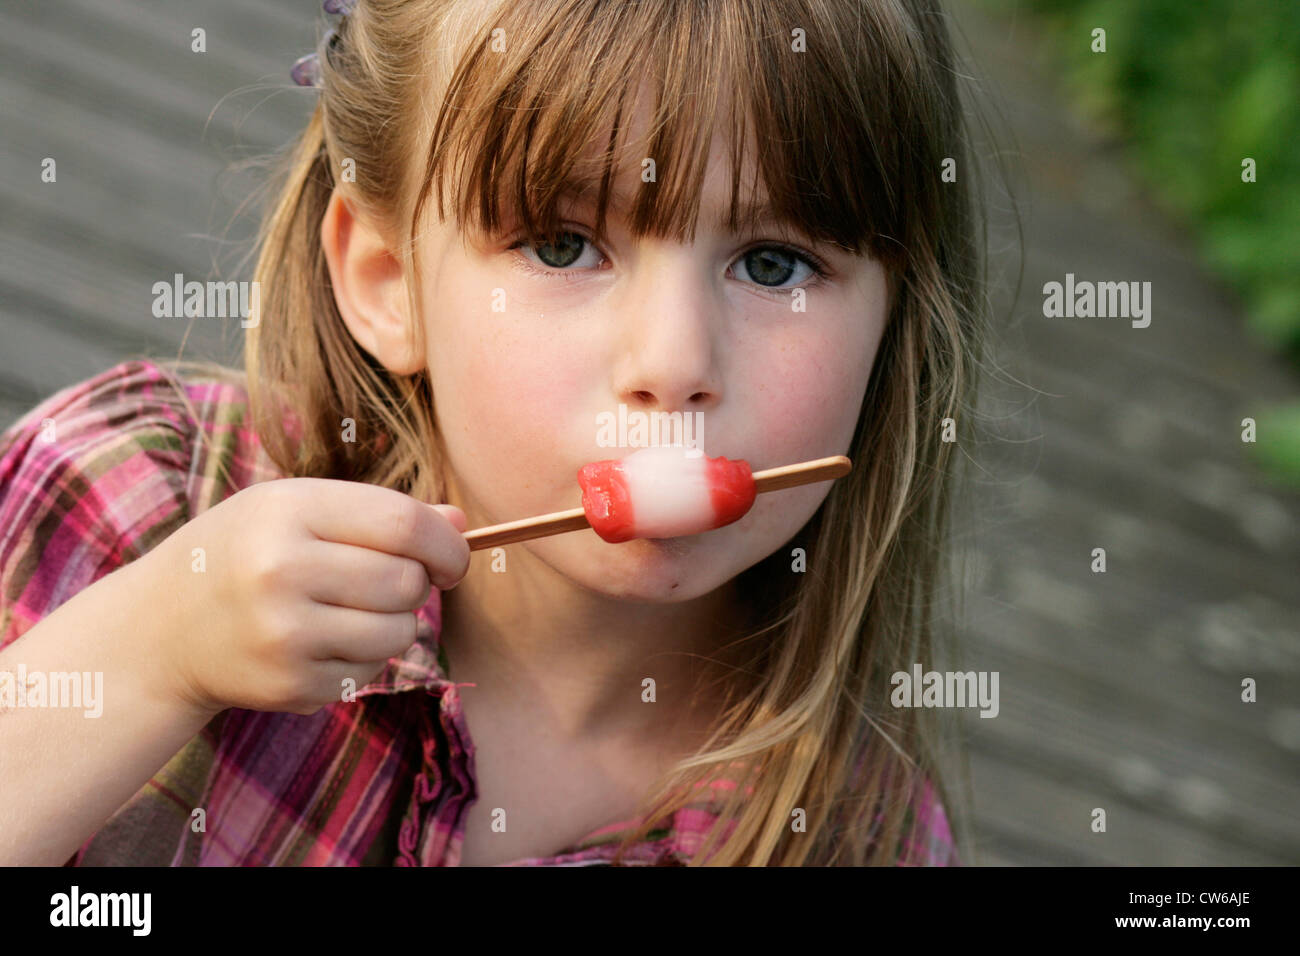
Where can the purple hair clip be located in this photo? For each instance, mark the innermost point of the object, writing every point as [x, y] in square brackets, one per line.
[306, 71]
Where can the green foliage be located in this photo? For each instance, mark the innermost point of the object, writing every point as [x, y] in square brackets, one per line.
[1277, 443]
[1194, 87]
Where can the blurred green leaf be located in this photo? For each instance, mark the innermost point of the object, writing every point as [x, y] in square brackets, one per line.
[1194, 87]
[1277, 442]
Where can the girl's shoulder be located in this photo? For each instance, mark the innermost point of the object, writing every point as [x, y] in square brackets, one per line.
[101, 471]
[929, 839]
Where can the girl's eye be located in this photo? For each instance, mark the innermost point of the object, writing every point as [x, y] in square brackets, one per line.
[772, 266]
[769, 266]
[557, 255]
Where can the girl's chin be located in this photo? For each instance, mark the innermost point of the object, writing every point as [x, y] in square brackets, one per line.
[652, 569]
[667, 547]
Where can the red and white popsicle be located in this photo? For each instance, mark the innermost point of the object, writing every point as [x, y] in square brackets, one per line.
[661, 492]
[664, 492]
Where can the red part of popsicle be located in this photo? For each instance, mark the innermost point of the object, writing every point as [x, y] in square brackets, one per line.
[607, 500]
[731, 485]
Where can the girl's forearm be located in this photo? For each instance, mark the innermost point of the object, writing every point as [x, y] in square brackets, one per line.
[64, 770]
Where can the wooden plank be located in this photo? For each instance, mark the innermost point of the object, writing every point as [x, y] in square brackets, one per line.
[1091, 472]
[67, 60]
[41, 358]
[1112, 658]
[105, 300]
[1095, 737]
[170, 175]
[1026, 814]
[238, 52]
[13, 408]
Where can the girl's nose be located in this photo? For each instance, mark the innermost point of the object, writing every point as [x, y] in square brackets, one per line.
[669, 329]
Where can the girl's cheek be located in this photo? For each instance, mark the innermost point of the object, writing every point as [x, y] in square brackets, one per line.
[527, 383]
[507, 395]
[809, 390]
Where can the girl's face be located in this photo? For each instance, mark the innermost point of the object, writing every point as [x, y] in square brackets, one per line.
[528, 347]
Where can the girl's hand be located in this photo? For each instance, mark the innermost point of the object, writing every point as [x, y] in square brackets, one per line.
[300, 584]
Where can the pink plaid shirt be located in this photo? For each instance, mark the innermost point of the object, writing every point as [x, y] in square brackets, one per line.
[386, 780]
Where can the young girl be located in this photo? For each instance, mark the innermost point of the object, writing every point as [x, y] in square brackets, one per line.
[503, 221]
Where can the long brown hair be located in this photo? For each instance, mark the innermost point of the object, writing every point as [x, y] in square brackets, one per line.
[855, 109]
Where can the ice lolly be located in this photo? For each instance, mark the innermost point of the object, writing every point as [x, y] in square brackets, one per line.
[664, 492]
[660, 495]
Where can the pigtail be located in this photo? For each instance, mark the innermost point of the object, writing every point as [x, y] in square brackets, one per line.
[320, 403]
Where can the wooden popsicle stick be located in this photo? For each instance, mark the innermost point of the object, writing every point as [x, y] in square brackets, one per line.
[557, 522]
[804, 473]
[575, 519]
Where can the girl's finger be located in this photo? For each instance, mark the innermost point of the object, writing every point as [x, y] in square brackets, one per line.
[353, 512]
[348, 634]
[361, 578]
[454, 515]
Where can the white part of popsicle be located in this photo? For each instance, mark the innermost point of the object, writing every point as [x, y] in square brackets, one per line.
[670, 491]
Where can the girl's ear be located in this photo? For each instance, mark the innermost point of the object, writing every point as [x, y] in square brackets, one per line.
[369, 287]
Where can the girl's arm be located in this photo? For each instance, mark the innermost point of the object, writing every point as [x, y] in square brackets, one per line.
[309, 586]
[63, 773]
[89, 480]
